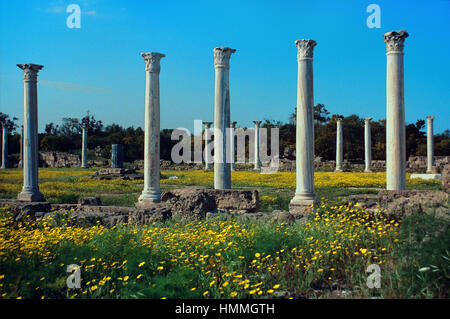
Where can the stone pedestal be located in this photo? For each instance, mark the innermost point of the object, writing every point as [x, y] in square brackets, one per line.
[4, 146]
[339, 146]
[430, 144]
[367, 146]
[30, 191]
[395, 109]
[257, 166]
[117, 156]
[304, 192]
[152, 192]
[232, 153]
[84, 148]
[207, 155]
[222, 168]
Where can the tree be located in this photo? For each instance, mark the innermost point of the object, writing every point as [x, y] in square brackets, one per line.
[10, 124]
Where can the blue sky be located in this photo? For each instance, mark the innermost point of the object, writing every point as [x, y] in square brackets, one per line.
[99, 68]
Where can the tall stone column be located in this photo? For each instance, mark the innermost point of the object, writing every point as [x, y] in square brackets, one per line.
[30, 191]
[395, 109]
[208, 160]
[21, 147]
[304, 192]
[430, 144]
[339, 146]
[152, 192]
[232, 153]
[367, 145]
[4, 146]
[84, 148]
[222, 168]
[117, 156]
[257, 155]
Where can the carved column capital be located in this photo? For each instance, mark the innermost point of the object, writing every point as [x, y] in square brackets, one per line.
[233, 124]
[367, 119]
[30, 71]
[305, 49]
[152, 61]
[395, 41]
[257, 123]
[222, 57]
[430, 118]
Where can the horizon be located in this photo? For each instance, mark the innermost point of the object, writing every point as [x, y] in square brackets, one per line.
[99, 68]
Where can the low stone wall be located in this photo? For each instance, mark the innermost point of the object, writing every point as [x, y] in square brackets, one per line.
[59, 160]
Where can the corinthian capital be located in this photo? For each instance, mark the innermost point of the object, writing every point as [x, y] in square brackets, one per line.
[430, 118]
[30, 71]
[305, 48]
[152, 60]
[222, 57]
[395, 40]
[367, 119]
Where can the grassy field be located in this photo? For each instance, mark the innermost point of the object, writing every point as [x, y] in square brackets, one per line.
[324, 257]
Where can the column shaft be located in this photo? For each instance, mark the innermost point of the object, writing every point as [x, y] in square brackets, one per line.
[152, 192]
[30, 191]
[207, 156]
[84, 148]
[4, 146]
[367, 146]
[430, 144]
[222, 167]
[395, 109]
[304, 193]
[339, 146]
[257, 146]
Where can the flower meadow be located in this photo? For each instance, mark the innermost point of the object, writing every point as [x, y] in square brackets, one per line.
[327, 255]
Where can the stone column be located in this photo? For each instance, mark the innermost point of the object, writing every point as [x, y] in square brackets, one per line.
[208, 160]
[4, 146]
[84, 148]
[430, 144]
[117, 156]
[395, 109]
[222, 168]
[152, 192]
[257, 155]
[232, 153]
[339, 146]
[367, 145]
[304, 192]
[30, 191]
[21, 147]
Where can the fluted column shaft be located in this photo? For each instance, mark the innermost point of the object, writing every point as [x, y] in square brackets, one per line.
[4, 146]
[222, 168]
[208, 161]
[152, 192]
[430, 144]
[339, 146]
[84, 148]
[395, 109]
[30, 190]
[367, 146]
[304, 193]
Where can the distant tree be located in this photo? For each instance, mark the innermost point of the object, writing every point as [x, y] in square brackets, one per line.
[9, 123]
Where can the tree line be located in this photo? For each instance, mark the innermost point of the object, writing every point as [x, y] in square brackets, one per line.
[66, 137]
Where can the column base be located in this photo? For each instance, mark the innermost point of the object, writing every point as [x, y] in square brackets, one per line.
[338, 170]
[148, 199]
[301, 208]
[368, 171]
[31, 197]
